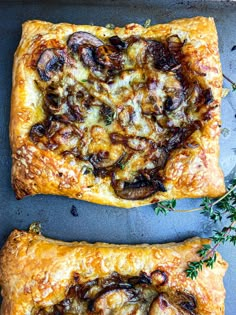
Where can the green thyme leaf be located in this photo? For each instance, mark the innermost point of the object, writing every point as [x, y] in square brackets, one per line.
[216, 210]
[35, 228]
[147, 23]
[233, 84]
[225, 132]
[232, 239]
[210, 261]
[232, 217]
[110, 26]
[122, 166]
[206, 206]
[160, 209]
[193, 269]
[218, 237]
[216, 216]
[86, 170]
[107, 114]
[165, 206]
[203, 251]
[109, 119]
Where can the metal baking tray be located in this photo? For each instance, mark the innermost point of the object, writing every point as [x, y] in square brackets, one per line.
[94, 222]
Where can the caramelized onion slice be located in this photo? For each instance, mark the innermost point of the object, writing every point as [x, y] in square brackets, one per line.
[117, 138]
[172, 103]
[37, 131]
[162, 58]
[134, 143]
[200, 96]
[187, 302]
[159, 277]
[117, 42]
[143, 278]
[52, 102]
[50, 62]
[113, 296]
[175, 93]
[137, 51]
[159, 157]
[82, 38]
[208, 96]
[178, 303]
[125, 117]
[84, 289]
[175, 45]
[162, 306]
[114, 279]
[101, 160]
[109, 57]
[182, 134]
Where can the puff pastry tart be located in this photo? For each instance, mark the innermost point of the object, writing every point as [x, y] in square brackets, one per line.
[40, 276]
[123, 117]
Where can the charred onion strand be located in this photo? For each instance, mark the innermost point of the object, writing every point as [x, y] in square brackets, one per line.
[109, 57]
[117, 42]
[162, 58]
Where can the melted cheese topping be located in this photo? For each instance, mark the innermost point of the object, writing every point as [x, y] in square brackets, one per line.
[87, 106]
[116, 295]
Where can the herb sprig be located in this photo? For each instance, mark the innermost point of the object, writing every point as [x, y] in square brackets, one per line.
[35, 228]
[165, 206]
[216, 210]
[233, 84]
[108, 114]
[110, 26]
[147, 23]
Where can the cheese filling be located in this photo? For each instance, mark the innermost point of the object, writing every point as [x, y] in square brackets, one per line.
[116, 294]
[120, 107]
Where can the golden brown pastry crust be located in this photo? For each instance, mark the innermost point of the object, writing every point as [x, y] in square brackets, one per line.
[36, 272]
[188, 173]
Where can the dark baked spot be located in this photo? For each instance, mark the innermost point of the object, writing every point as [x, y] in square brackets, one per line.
[233, 48]
[74, 211]
[109, 57]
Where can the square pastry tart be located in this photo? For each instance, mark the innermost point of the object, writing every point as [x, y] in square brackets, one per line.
[40, 276]
[122, 117]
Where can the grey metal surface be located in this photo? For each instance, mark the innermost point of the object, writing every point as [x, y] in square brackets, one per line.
[94, 222]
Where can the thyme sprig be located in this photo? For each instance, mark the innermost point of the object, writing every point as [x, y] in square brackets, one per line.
[221, 208]
[35, 228]
[208, 252]
[165, 206]
[233, 84]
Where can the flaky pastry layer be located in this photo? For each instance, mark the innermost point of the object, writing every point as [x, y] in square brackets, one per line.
[37, 273]
[191, 170]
